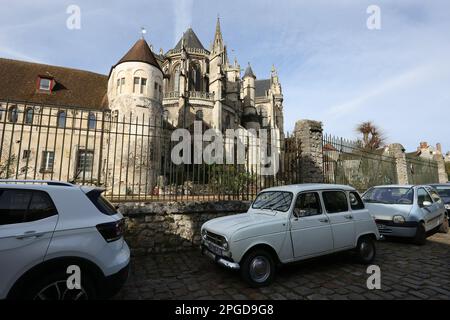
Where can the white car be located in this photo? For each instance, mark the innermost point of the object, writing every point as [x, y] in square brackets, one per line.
[59, 241]
[288, 224]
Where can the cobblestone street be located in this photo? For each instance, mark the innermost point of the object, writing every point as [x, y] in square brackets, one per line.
[407, 272]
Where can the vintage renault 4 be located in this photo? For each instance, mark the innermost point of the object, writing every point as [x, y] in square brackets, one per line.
[288, 224]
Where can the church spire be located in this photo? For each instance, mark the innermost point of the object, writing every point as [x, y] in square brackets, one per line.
[218, 45]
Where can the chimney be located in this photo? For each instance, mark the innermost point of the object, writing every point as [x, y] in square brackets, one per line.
[439, 148]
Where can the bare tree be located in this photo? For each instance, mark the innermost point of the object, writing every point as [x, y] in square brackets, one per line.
[372, 137]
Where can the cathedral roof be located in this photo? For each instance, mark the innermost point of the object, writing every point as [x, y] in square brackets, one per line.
[74, 88]
[249, 72]
[140, 52]
[190, 41]
[261, 86]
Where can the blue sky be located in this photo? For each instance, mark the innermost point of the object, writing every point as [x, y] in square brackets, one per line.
[332, 67]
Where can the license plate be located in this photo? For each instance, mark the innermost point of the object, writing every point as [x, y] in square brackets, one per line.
[214, 249]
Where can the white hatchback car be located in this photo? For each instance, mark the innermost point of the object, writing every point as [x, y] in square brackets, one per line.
[50, 231]
[288, 224]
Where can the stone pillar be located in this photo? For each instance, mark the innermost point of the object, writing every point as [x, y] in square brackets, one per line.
[309, 134]
[442, 173]
[397, 151]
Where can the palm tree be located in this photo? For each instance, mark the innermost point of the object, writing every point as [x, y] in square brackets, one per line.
[372, 138]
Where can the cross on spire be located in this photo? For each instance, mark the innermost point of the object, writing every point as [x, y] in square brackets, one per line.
[143, 32]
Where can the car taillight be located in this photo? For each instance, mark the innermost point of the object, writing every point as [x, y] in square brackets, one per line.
[112, 231]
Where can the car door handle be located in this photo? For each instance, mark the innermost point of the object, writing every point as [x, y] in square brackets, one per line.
[30, 234]
[325, 220]
[348, 216]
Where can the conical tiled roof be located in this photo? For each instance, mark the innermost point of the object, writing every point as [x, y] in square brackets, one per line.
[190, 41]
[140, 52]
[249, 72]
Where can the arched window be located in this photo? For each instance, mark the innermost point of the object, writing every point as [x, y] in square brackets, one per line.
[199, 115]
[92, 122]
[13, 114]
[29, 113]
[176, 79]
[62, 119]
[195, 78]
[227, 122]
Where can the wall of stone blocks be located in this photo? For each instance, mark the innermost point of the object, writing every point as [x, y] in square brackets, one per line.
[159, 227]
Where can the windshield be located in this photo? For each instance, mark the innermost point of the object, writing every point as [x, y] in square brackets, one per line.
[273, 200]
[387, 195]
[444, 192]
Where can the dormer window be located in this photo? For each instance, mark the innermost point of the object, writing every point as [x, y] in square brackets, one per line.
[45, 84]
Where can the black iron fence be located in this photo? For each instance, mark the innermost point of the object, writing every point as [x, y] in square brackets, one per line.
[347, 162]
[131, 155]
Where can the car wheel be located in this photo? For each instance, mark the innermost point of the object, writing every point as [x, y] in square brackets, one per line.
[54, 287]
[258, 268]
[421, 235]
[444, 226]
[366, 250]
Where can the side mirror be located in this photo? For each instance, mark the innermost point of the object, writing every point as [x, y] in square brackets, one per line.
[426, 204]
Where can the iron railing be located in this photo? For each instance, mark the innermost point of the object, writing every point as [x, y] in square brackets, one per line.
[129, 155]
[347, 162]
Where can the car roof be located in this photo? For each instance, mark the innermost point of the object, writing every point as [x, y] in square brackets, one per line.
[310, 187]
[396, 186]
[43, 185]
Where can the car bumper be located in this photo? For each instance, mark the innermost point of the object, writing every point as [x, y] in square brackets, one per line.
[404, 230]
[218, 259]
[112, 284]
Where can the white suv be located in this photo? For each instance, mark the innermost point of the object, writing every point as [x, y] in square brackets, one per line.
[288, 224]
[59, 241]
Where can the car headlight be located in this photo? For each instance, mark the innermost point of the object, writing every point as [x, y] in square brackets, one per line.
[204, 234]
[447, 206]
[225, 245]
[398, 219]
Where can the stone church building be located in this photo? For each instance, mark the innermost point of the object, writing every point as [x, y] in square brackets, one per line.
[58, 123]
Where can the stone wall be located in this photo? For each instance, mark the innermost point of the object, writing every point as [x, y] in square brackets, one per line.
[171, 226]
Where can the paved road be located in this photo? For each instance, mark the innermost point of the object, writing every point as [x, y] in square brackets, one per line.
[407, 272]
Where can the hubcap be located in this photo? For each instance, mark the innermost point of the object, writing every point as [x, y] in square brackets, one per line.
[366, 250]
[58, 291]
[260, 269]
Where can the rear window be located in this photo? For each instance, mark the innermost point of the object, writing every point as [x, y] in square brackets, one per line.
[335, 201]
[101, 203]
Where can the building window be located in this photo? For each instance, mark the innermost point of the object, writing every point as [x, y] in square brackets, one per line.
[29, 116]
[92, 123]
[139, 85]
[120, 85]
[85, 161]
[45, 84]
[1, 112]
[199, 115]
[13, 114]
[26, 154]
[48, 158]
[62, 119]
[176, 81]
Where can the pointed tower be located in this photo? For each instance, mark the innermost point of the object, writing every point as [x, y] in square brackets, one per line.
[136, 82]
[217, 75]
[251, 119]
[135, 97]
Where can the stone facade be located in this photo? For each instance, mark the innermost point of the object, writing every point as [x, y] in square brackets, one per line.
[309, 134]
[158, 227]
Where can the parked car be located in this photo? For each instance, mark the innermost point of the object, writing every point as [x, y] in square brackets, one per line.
[444, 192]
[406, 211]
[52, 230]
[288, 224]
